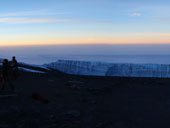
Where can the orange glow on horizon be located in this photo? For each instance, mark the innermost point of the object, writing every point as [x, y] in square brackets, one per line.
[115, 39]
[78, 43]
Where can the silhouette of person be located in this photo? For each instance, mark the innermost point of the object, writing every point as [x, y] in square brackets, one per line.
[6, 75]
[14, 67]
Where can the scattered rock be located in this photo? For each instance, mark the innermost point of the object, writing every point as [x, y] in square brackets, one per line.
[73, 113]
[84, 100]
[104, 125]
[100, 125]
[50, 80]
[75, 82]
[120, 124]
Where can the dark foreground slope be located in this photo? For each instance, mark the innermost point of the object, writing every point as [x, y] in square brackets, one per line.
[87, 102]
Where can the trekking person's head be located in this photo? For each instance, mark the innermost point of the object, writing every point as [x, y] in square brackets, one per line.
[13, 58]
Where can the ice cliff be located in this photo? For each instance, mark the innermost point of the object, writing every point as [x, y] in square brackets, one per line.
[111, 69]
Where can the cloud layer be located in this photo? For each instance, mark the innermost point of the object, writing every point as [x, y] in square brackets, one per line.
[32, 20]
[135, 14]
[28, 17]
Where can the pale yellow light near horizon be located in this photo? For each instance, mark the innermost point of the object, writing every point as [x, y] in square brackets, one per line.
[115, 39]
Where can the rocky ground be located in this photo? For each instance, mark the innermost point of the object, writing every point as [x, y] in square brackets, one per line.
[56, 100]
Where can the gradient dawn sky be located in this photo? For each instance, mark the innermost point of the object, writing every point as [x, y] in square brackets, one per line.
[36, 22]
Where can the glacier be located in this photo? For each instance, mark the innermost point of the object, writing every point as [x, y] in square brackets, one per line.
[111, 69]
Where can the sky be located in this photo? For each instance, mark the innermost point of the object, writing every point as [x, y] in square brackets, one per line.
[49, 22]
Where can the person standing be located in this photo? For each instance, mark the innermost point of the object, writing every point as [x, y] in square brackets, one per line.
[14, 68]
[6, 76]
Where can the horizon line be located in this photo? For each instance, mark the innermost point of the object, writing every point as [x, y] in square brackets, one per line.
[67, 44]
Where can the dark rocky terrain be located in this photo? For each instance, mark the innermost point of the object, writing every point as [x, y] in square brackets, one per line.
[58, 100]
